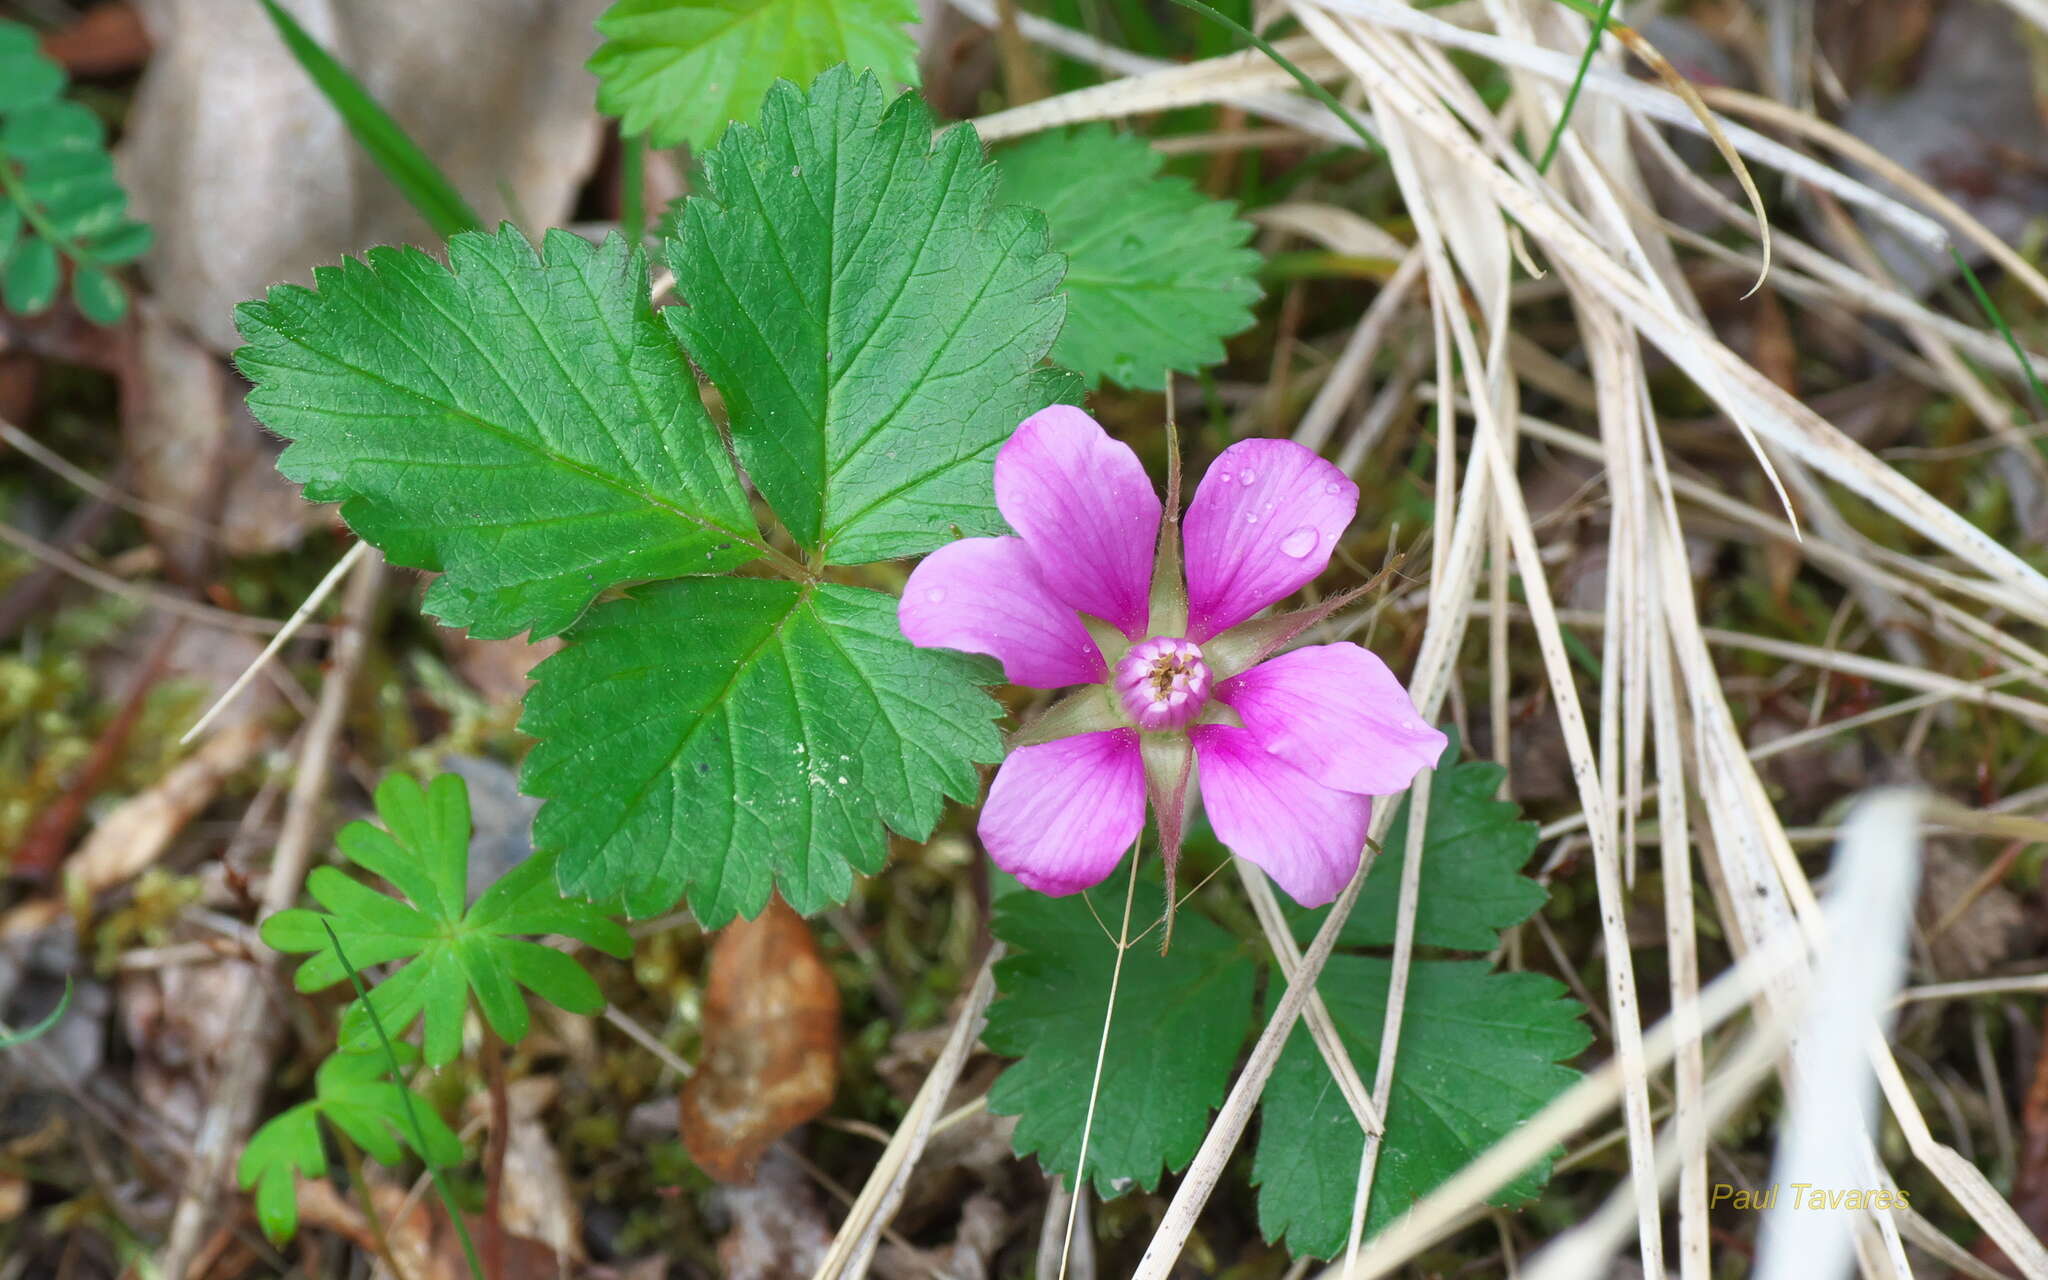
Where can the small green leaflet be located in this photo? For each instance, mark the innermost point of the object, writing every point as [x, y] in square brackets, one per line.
[874, 322]
[679, 70]
[1479, 1051]
[447, 949]
[518, 420]
[1472, 885]
[1179, 1022]
[724, 735]
[59, 198]
[350, 1093]
[1479, 1055]
[1158, 274]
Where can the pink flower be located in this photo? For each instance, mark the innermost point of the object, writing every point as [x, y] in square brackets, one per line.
[1286, 750]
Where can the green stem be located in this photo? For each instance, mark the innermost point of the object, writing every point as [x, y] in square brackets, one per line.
[1571, 97]
[2004, 329]
[1302, 78]
[11, 186]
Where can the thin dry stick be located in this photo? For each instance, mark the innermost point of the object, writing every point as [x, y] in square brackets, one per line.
[1259, 889]
[1116, 973]
[147, 596]
[231, 1107]
[284, 633]
[1397, 1002]
[854, 1245]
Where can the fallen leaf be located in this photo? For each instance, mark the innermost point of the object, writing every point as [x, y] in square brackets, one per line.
[425, 1245]
[771, 1043]
[106, 40]
[135, 832]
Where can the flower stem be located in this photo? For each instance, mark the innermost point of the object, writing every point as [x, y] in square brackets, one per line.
[1123, 944]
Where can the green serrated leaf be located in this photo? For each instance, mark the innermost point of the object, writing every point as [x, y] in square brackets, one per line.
[680, 70]
[723, 736]
[1473, 853]
[446, 952]
[1180, 1020]
[1158, 274]
[1479, 1054]
[517, 420]
[874, 322]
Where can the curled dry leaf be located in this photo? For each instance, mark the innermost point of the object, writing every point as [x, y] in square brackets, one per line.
[771, 1043]
[778, 1226]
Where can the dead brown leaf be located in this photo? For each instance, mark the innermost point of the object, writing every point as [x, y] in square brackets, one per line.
[135, 832]
[425, 1244]
[106, 40]
[771, 1043]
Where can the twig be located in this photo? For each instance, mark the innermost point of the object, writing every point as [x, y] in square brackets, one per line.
[231, 1107]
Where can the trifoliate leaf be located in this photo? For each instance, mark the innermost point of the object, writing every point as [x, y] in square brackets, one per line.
[59, 198]
[446, 949]
[1473, 852]
[725, 735]
[518, 420]
[873, 321]
[381, 1116]
[1478, 1055]
[1179, 1022]
[681, 69]
[1157, 273]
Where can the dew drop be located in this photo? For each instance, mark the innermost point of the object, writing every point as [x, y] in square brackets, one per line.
[1299, 543]
[1333, 487]
[796, 171]
[1247, 475]
[934, 595]
[1249, 518]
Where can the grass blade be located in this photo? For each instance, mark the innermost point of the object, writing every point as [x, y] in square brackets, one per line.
[2005, 330]
[1571, 97]
[417, 178]
[9, 1039]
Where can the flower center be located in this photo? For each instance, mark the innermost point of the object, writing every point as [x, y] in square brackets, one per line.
[1163, 682]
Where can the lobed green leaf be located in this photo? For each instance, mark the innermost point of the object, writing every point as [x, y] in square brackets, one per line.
[726, 736]
[1179, 1023]
[680, 70]
[1158, 274]
[517, 420]
[1478, 1055]
[873, 320]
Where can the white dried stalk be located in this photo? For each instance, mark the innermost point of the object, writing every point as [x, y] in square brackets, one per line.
[854, 1244]
[1824, 1137]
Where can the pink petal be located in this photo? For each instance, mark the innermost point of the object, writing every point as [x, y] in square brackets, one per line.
[1335, 712]
[1083, 504]
[1305, 835]
[1061, 814]
[984, 595]
[1264, 521]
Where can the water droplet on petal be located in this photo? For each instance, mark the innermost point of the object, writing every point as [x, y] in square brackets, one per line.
[1249, 518]
[934, 595]
[1333, 487]
[1299, 543]
[1247, 475]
